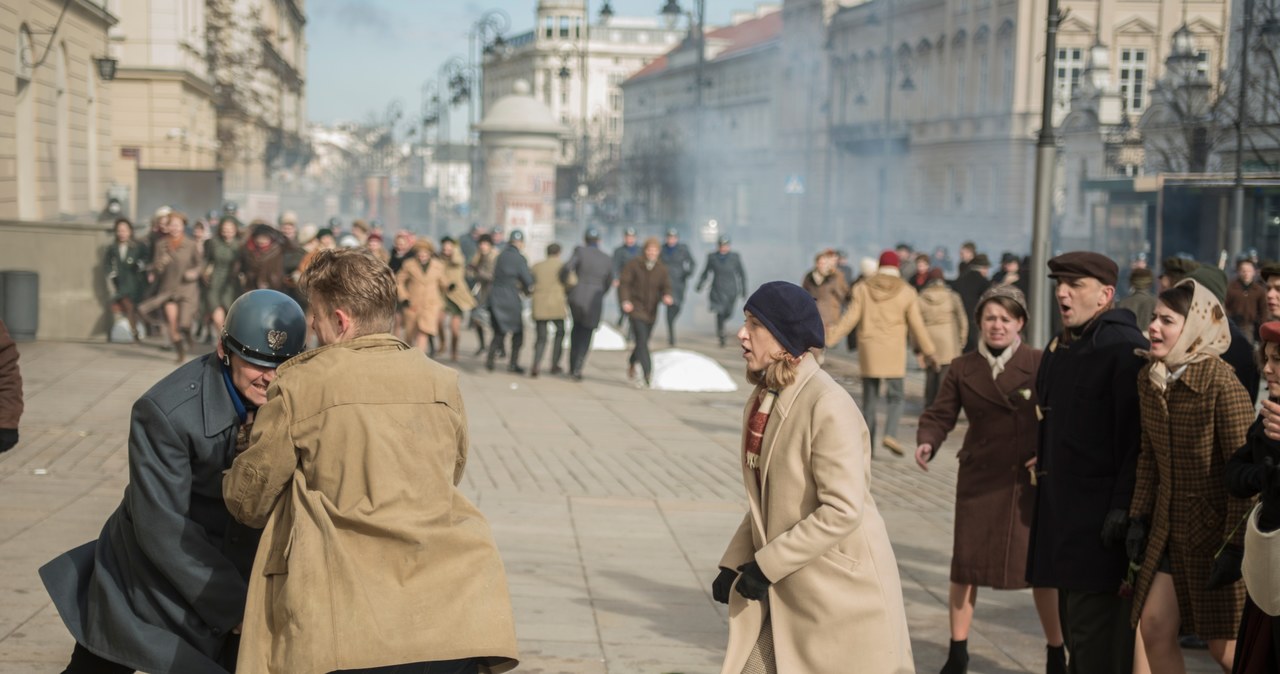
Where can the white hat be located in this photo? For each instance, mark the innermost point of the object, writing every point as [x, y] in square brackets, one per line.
[349, 241]
[163, 211]
[307, 233]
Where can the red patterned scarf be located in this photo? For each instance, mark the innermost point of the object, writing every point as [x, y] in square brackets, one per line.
[753, 440]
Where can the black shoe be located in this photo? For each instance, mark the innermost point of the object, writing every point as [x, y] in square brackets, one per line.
[488, 363]
[533, 374]
[515, 369]
[556, 369]
[1056, 660]
[957, 658]
[577, 376]
[722, 342]
[480, 351]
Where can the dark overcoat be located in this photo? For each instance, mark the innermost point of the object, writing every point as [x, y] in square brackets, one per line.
[728, 281]
[970, 285]
[1240, 357]
[1189, 432]
[166, 581]
[622, 255]
[681, 266]
[127, 274]
[222, 287]
[994, 496]
[594, 270]
[1088, 453]
[512, 280]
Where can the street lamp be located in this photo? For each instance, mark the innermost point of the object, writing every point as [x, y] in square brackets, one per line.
[567, 51]
[606, 13]
[671, 11]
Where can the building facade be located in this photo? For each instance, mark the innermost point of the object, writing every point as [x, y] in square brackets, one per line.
[706, 163]
[55, 113]
[576, 68]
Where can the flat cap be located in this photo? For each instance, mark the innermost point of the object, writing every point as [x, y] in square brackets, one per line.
[1141, 279]
[1084, 264]
[630, 231]
[672, 232]
[1269, 269]
[1179, 267]
[980, 260]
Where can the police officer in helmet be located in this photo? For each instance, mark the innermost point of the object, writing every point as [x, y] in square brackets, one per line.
[163, 588]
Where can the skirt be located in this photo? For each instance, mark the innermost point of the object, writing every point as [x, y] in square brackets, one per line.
[761, 660]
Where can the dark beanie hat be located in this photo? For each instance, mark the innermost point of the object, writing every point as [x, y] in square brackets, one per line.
[1213, 279]
[790, 313]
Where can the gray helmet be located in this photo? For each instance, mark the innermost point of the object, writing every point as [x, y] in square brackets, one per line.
[264, 327]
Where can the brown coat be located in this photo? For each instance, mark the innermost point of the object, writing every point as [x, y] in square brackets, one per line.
[424, 290]
[371, 556]
[944, 317]
[261, 268]
[1246, 305]
[887, 309]
[10, 381]
[831, 294]
[1188, 434]
[994, 496]
[644, 288]
[836, 598]
[549, 293]
[177, 271]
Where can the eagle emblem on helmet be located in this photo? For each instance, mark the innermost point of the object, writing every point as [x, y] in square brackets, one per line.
[275, 339]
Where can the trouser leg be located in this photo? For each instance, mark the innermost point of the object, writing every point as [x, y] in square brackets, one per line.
[1095, 627]
[517, 341]
[893, 412]
[495, 344]
[539, 343]
[84, 661]
[870, 398]
[932, 382]
[642, 330]
[557, 347]
[673, 312]
[580, 346]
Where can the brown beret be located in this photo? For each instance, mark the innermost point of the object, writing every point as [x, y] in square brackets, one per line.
[1141, 279]
[1084, 264]
[1269, 332]
[980, 260]
[1269, 269]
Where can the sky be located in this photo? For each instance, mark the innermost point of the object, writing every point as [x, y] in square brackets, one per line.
[363, 54]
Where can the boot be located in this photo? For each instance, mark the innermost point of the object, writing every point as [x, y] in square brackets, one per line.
[453, 351]
[957, 658]
[488, 360]
[533, 372]
[1056, 662]
[180, 349]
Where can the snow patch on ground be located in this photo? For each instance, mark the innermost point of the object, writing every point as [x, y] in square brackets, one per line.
[607, 338]
[680, 370]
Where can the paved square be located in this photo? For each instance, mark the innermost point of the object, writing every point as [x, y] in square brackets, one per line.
[611, 507]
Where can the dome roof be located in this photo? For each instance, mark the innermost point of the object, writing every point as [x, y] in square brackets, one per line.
[521, 113]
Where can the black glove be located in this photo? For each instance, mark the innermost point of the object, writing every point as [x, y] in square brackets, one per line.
[452, 287]
[1114, 527]
[722, 584]
[1226, 567]
[1135, 541]
[753, 584]
[8, 438]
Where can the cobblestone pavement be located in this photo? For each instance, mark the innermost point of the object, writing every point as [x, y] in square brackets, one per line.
[611, 507]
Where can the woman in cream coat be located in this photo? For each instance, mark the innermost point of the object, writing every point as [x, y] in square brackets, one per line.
[810, 578]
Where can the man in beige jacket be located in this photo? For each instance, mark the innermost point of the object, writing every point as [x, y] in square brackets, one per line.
[371, 557]
[887, 308]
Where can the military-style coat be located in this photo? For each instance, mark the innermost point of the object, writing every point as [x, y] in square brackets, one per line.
[994, 496]
[813, 527]
[127, 272]
[1088, 453]
[681, 266]
[512, 280]
[165, 583]
[728, 281]
[371, 555]
[594, 270]
[1189, 432]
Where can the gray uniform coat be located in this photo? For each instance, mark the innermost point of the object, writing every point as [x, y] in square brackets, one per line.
[681, 266]
[166, 581]
[728, 281]
[594, 270]
[511, 280]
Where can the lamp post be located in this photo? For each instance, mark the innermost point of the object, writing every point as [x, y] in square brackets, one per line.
[454, 88]
[1235, 238]
[671, 11]
[891, 67]
[1046, 148]
[567, 51]
[486, 41]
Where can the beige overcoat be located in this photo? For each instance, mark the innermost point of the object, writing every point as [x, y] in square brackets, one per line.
[836, 598]
[549, 293]
[455, 276]
[887, 309]
[944, 317]
[425, 290]
[371, 556]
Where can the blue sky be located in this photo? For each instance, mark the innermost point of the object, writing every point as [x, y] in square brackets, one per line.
[363, 54]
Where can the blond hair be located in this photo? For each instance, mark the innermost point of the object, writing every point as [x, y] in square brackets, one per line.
[777, 375]
[354, 280]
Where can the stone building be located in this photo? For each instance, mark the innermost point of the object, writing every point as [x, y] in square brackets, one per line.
[689, 160]
[552, 58]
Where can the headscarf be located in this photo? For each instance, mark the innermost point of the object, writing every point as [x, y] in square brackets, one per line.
[1204, 335]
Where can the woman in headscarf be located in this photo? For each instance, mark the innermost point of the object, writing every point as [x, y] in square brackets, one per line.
[809, 576]
[1185, 536]
[995, 497]
[422, 285]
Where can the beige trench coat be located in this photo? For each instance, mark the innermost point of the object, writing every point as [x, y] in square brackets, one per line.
[549, 293]
[887, 308]
[836, 599]
[455, 276]
[371, 556]
[425, 290]
[944, 317]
